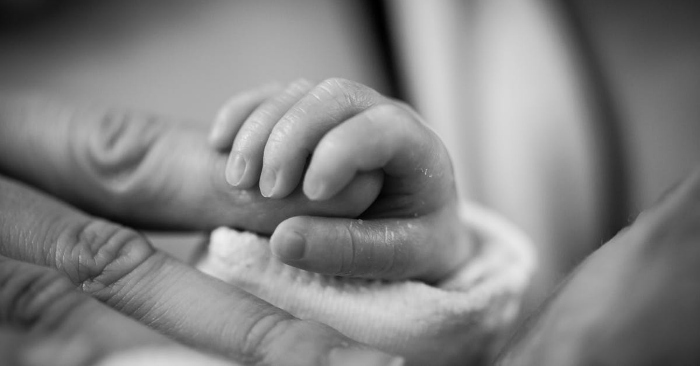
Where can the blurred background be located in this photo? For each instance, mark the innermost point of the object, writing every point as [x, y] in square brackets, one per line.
[569, 117]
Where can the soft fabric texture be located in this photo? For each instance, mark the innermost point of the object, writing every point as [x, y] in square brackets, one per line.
[454, 322]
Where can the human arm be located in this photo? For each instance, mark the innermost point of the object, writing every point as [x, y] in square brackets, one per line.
[146, 170]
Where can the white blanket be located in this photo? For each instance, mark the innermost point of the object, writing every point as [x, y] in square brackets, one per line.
[454, 322]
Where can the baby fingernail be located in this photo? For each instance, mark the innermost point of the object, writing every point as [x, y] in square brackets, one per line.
[267, 182]
[362, 357]
[313, 189]
[289, 246]
[235, 170]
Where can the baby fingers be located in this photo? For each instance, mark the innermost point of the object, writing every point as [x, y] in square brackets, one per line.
[245, 161]
[295, 136]
[388, 137]
[235, 111]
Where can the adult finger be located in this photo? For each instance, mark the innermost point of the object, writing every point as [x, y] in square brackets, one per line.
[245, 162]
[120, 268]
[296, 134]
[427, 248]
[144, 170]
[24, 348]
[29, 348]
[231, 116]
[58, 324]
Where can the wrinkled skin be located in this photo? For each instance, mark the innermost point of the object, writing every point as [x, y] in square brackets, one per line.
[635, 301]
[71, 176]
[72, 278]
[323, 137]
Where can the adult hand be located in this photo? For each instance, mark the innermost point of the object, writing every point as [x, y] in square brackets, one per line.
[46, 320]
[635, 301]
[411, 230]
[145, 172]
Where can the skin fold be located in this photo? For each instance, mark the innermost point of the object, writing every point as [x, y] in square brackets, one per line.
[71, 177]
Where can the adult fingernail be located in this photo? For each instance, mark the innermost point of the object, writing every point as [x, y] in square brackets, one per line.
[235, 170]
[362, 357]
[289, 245]
[268, 179]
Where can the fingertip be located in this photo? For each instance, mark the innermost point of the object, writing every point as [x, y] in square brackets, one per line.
[268, 182]
[288, 245]
[302, 84]
[278, 183]
[283, 169]
[235, 169]
[315, 188]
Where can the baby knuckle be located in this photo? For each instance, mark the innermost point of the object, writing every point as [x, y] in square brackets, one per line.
[250, 136]
[335, 84]
[298, 85]
[346, 93]
[390, 112]
[264, 116]
[282, 133]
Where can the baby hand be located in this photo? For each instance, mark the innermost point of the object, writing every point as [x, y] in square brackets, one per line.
[344, 129]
